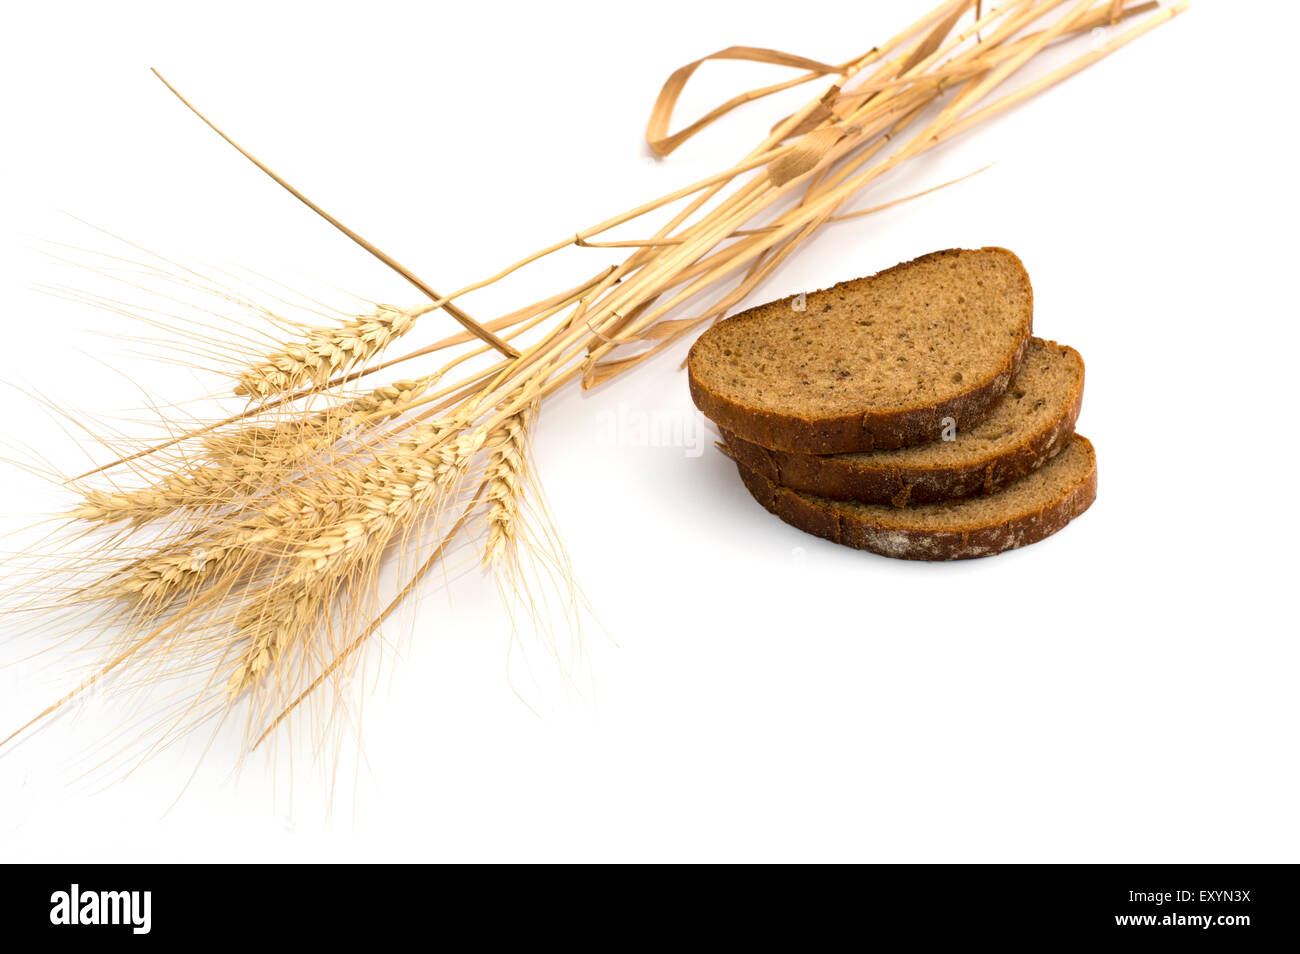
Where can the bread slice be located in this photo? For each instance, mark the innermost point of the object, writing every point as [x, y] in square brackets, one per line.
[873, 363]
[1034, 507]
[1028, 425]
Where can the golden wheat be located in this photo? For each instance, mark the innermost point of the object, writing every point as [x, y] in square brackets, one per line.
[389, 494]
[270, 627]
[203, 486]
[504, 473]
[245, 462]
[326, 352]
[286, 506]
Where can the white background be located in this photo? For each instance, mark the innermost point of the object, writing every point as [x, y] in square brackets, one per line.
[1124, 691]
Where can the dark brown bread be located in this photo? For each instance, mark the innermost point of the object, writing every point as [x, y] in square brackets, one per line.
[1030, 424]
[1032, 508]
[873, 363]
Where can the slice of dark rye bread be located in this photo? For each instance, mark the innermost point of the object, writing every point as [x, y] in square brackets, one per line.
[1028, 426]
[873, 363]
[1034, 507]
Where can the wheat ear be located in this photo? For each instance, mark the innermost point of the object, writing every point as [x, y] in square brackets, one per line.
[244, 462]
[327, 351]
[505, 471]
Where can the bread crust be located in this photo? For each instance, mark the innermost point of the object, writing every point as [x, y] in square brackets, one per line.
[977, 540]
[844, 478]
[843, 433]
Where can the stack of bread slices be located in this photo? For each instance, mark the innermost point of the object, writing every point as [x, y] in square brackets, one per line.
[911, 413]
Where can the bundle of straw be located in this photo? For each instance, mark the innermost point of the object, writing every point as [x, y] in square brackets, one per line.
[248, 550]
